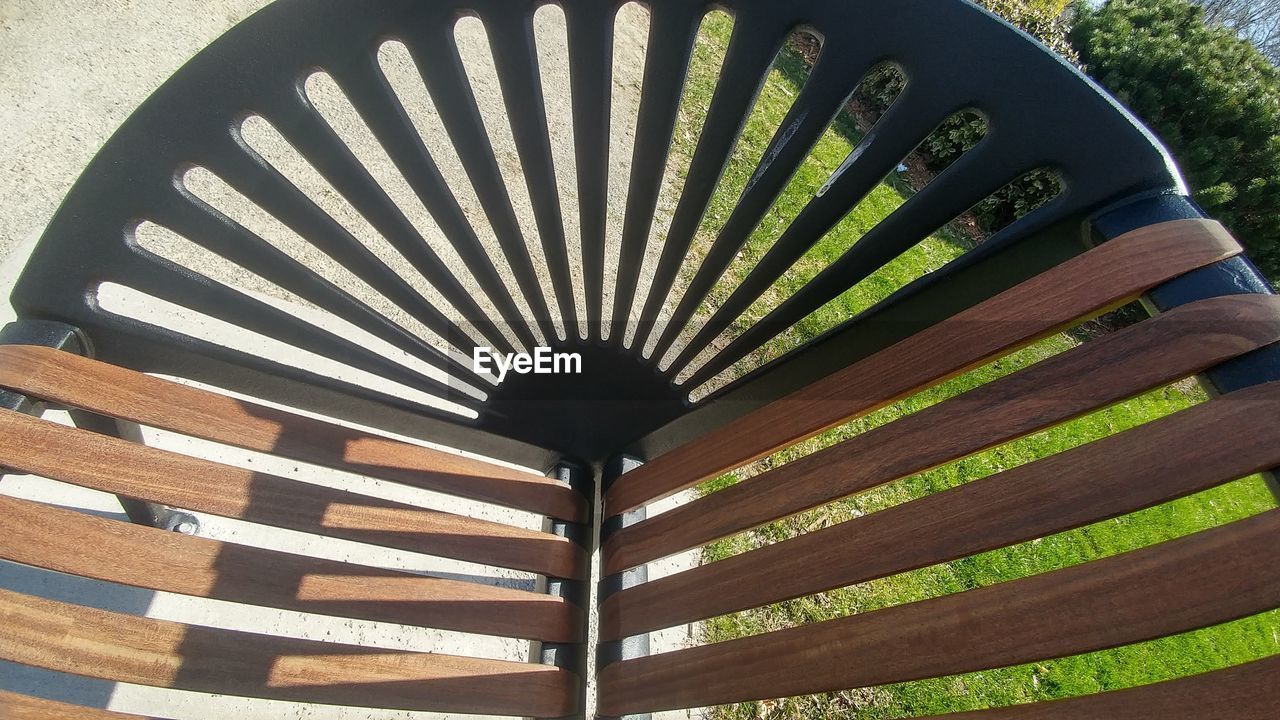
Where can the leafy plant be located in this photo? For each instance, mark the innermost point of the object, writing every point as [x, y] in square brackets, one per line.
[1212, 97]
[1044, 20]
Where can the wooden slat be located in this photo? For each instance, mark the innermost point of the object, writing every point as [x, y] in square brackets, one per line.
[1147, 355]
[1169, 458]
[118, 392]
[22, 707]
[158, 560]
[1207, 578]
[1098, 280]
[113, 646]
[1243, 692]
[123, 468]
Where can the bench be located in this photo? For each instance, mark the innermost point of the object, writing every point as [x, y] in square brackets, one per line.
[587, 455]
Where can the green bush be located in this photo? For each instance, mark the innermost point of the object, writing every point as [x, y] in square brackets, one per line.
[957, 134]
[1041, 19]
[1213, 98]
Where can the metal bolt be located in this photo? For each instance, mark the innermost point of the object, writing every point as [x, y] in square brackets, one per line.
[186, 527]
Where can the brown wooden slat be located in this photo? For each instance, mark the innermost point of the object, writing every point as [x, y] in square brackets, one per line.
[1147, 355]
[118, 392]
[116, 466]
[159, 560]
[1243, 692]
[1098, 280]
[113, 646]
[21, 707]
[1119, 474]
[1207, 578]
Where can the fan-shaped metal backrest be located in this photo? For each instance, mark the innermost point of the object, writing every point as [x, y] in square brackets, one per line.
[1040, 113]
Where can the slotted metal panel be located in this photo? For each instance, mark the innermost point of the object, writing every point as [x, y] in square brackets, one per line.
[1039, 111]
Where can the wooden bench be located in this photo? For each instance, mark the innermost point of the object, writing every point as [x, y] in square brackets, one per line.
[1197, 581]
[608, 444]
[110, 645]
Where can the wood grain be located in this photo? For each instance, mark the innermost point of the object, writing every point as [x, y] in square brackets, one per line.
[1096, 281]
[1178, 455]
[159, 560]
[1104, 371]
[21, 707]
[122, 393]
[123, 468]
[113, 646]
[1204, 579]
[1243, 692]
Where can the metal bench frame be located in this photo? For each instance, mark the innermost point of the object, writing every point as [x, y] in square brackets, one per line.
[591, 429]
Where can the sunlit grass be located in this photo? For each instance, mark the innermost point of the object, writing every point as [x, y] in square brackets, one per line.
[1206, 649]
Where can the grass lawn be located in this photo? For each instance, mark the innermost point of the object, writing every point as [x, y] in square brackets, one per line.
[1207, 649]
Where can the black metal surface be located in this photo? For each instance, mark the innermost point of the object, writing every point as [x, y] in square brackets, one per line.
[1234, 276]
[747, 60]
[634, 646]
[516, 61]
[237, 244]
[590, 30]
[302, 126]
[819, 101]
[962, 185]
[47, 333]
[674, 26]
[908, 311]
[367, 88]
[584, 413]
[61, 336]
[955, 56]
[38, 332]
[429, 36]
[571, 656]
[878, 154]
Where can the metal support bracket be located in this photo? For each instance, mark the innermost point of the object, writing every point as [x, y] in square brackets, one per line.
[572, 656]
[67, 338]
[635, 646]
[1233, 276]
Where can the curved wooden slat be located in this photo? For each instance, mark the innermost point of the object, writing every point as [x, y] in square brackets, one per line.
[123, 468]
[113, 646]
[172, 562]
[1160, 350]
[118, 392]
[21, 707]
[1204, 579]
[1098, 280]
[1119, 474]
[1243, 692]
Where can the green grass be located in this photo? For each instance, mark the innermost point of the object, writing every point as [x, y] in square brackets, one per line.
[1198, 651]
[832, 148]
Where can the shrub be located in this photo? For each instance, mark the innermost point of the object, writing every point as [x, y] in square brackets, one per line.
[1043, 20]
[1212, 97]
